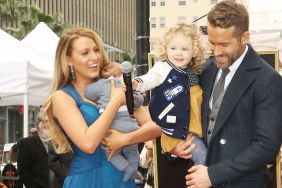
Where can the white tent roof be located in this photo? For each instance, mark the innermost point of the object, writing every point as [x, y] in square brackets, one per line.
[23, 72]
[17, 71]
[43, 40]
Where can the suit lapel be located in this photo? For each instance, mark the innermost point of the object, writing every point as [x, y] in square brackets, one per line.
[40, 144]
[207, 88]
[239, 84]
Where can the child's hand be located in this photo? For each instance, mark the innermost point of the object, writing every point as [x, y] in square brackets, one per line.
[134, 85]
[149, 145]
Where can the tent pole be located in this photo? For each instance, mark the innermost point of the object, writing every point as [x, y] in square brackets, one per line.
[25, 121]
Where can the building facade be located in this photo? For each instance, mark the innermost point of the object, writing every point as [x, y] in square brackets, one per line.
[115, 21]
[165, 13]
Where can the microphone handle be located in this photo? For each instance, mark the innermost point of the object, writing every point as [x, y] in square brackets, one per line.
[129, 100]
[129, 94]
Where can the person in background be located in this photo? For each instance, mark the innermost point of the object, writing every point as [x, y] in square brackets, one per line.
[10, 171]
[33, 158]
[59, 165]
[15, 148]
[146, 161]
[242, 122]
[75, 122]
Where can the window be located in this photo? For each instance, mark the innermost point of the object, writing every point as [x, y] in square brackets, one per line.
[181, 3]
[162, 3]
[162, 22]
[153, 22]
[181, 19]
[213, 1]
[153, 3]
[2, 112]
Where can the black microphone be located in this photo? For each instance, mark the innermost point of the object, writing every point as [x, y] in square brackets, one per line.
[126, 69]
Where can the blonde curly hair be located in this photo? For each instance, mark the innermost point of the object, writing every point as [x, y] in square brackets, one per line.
[191, 32]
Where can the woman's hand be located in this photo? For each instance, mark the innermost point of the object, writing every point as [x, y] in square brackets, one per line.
[114, 141]
[117, 94]
[184, 148]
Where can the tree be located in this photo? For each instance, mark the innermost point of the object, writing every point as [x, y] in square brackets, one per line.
[128, 57]
[11, 10]
[22, 19]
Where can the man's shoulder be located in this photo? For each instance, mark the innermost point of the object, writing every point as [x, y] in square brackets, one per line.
[209, 65]
[29, 139]
[210, 62]
[17, 145]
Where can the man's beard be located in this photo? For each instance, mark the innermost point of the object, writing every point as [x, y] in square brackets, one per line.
[44, 134]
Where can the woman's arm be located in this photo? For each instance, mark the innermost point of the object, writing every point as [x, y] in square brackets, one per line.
[86, 138]
[148, 131]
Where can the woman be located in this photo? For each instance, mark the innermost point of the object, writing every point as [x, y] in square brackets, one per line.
[75, 122]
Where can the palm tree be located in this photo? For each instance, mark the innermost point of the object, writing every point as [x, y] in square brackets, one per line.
[29, 17]
[11, 10]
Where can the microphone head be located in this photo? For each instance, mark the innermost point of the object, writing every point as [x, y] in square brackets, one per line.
[126, 67]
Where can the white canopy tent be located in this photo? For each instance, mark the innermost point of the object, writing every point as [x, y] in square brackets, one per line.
[25, 75]
[43, 40]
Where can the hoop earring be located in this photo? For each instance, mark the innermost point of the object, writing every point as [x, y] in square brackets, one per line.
[71, 72]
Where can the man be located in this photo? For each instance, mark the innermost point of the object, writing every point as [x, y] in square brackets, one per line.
[33, 158]
[16, 147]
[242, 124]
[59, 164]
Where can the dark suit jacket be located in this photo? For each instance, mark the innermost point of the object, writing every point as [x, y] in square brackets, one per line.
[59, 164]
[33, 163]
[247, 133]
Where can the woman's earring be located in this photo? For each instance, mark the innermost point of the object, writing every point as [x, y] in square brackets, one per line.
[72, 73]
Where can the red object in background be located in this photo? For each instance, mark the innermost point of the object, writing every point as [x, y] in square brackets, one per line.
[21, 110]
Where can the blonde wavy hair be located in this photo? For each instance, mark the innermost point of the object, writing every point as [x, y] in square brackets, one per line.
[61, 78]
[190, 31]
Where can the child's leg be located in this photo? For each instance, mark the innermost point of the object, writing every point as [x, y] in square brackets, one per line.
[118, 161]
[132, 156]
[200, 152]
[131, 153]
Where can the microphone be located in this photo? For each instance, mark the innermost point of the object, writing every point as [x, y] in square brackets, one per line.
[126, 69]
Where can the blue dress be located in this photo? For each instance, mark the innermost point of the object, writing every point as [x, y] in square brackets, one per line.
[91, 170]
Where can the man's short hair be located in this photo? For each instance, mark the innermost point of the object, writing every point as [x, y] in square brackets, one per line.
[228, 13]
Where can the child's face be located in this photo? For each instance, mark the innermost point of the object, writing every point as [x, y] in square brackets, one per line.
[179, 50]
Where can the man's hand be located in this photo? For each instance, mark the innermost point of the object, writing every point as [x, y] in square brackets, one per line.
[198, 177]
[184, 148]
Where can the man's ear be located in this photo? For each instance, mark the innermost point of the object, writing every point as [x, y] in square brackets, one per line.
[245, 37]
